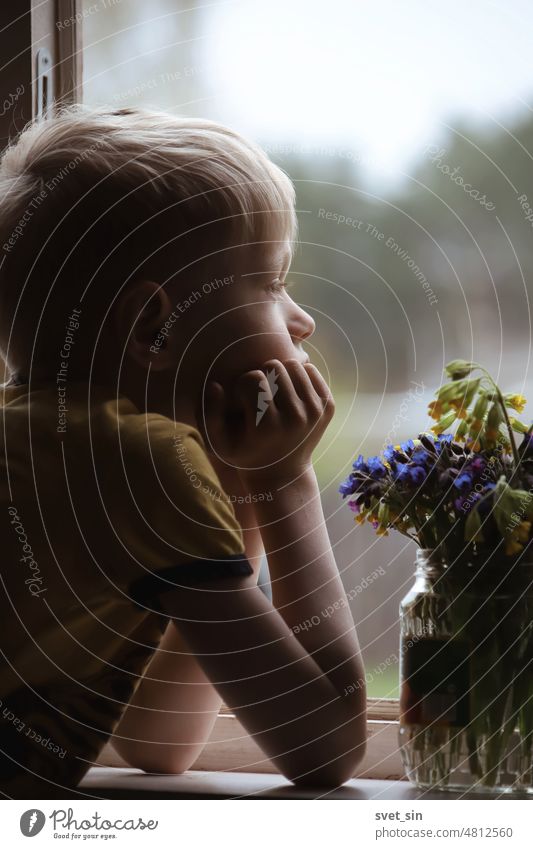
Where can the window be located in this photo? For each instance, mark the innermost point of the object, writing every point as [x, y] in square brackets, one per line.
[374, 109]
[403, 265]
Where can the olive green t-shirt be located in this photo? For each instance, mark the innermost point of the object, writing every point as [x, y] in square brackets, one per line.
[102, 509]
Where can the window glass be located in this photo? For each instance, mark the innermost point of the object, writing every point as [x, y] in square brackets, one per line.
[407, 128]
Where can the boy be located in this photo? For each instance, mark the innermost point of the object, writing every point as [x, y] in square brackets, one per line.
[157, 380]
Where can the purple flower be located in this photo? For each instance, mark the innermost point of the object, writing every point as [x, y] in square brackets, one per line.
[464, 503]
[486, 504]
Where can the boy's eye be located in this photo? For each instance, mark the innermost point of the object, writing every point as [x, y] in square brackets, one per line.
[278, 285]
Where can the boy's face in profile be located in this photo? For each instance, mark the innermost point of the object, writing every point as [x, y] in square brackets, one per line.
[237, 320]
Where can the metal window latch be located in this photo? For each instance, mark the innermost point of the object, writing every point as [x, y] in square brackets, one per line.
[44, 80]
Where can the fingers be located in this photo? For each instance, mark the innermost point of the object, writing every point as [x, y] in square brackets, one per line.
[253, 392]
[291, 388]
[309, 385]
[321, 387]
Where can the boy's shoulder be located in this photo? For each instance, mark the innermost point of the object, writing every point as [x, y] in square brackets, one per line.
[74, 408]
[140, 489]
[149, 476]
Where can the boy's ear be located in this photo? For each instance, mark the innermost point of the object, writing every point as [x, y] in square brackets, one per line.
[140, 318]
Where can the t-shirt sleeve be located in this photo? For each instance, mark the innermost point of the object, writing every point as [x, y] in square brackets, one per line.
[179, 526]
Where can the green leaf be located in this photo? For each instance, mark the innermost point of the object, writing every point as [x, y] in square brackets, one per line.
[495, 416]
[471, 389]
[473, 527]
[509, 501]
[448, 390]
[517, 425]
[480, 407]
[444, 423]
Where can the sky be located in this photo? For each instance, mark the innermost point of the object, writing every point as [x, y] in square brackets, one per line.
[378, 79]
[381, 77]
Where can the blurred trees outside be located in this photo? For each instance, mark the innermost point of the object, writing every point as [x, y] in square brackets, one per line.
[366, 280]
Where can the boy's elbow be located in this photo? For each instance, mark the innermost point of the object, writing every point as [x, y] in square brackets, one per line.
[157, 759]
[333, 769]
[330, 775]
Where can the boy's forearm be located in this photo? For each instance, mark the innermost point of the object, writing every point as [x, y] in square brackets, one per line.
[306, 586]
[172, 712]
[235, 488]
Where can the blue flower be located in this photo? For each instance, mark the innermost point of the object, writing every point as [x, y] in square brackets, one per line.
[410, 474]
[347, 487]
[388, 453]
[376, 467]
[420, 456]
[359, 465]
[463, 481]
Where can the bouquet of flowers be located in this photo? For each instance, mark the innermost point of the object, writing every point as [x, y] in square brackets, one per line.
[462, 493]
[466, 499]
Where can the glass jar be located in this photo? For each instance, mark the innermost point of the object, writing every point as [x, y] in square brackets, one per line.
[466, 675]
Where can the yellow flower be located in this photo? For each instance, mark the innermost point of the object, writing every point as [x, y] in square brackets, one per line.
[461, 412]
[522, 531]
[460, 433]
[520, 535]
[382, 532]
[512, 547]
[435, 409]
[360, 518]
[444, 424]
[516, 402]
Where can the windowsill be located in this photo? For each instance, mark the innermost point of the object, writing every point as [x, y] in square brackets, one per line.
[231, 749]
[233, 766]
[121, 783]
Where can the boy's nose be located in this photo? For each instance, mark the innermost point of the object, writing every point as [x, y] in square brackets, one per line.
[301, 325]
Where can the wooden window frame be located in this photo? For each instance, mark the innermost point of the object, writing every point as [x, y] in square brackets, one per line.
[27, 27]
[35, 23]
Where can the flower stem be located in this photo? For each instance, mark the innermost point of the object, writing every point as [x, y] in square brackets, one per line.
[505, 414]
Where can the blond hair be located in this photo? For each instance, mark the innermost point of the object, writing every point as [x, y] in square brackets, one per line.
[94, 198]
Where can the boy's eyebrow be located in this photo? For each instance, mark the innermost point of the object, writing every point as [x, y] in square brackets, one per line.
[282, 259]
